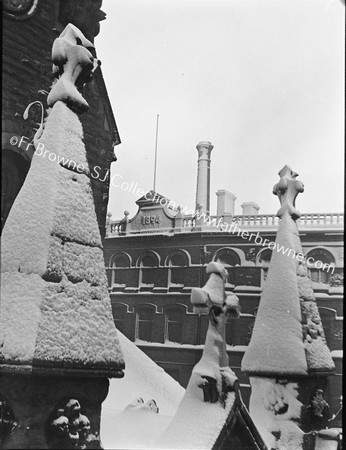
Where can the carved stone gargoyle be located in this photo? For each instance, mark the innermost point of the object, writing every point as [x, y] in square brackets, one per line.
[216, 377]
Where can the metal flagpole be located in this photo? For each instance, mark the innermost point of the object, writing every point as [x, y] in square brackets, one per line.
[157, 131]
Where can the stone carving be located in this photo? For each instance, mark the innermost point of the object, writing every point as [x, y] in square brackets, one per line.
[70, 429]
[287, 190]
[251, 253]
[318, 410]
[337, 279]
[84, 14]
[7, 422]
[215, 377]
[73, 65]
[123, 223]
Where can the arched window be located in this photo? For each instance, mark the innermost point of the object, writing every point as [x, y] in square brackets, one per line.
[147, 264]
[263, 260]
[320, 262]
[144, 323]
[176, 263]
[229, 258]
[174, 318]
[120, 264]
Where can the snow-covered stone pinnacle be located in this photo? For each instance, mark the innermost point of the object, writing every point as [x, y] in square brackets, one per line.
[288, 337]
[287, 343]
[55, 310]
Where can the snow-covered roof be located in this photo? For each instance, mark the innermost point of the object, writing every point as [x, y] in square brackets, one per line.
[138, 427]
[197, 424]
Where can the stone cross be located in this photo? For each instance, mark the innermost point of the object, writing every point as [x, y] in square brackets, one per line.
[287, 190]
[216, 378]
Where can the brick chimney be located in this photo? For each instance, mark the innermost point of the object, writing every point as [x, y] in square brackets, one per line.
[203, 176]
[250, 208]
[225, 203]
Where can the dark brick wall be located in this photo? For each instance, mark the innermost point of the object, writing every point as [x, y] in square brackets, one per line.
[248, 282]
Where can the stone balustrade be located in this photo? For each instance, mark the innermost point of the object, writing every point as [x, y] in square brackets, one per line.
[261, 221]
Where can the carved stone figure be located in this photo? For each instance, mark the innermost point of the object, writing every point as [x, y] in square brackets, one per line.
[318, 410]
[71, 429]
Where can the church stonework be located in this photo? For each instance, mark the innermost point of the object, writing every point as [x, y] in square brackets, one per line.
[287, 354]
[55, 309]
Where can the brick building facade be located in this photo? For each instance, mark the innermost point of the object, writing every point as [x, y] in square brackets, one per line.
[154, 260]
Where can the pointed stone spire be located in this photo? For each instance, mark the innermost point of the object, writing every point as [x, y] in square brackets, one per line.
[55, 318]
[288, 342]
[288, 337]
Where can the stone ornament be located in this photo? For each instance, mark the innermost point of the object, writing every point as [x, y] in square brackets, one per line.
[215, 377]
[71, 429]
[84, 14]
[287, 190]
[317, 410]
[73, 65]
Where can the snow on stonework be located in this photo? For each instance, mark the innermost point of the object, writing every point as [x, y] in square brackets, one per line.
[210, 394]
[287, 342]
[288, 336]
[274, 408]
[55, 307]
[276, 345]
[197, 424]
[126, 421]
[318, 355]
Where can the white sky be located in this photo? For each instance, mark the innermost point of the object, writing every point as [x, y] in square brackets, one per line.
[262, 80]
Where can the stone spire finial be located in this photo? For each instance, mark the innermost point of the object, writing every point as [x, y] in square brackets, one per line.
[288, 345]
[287, 190]
[73, 63]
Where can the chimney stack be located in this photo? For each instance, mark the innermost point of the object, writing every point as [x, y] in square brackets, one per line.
[203, 176]
[225, 203]
[250, 208]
